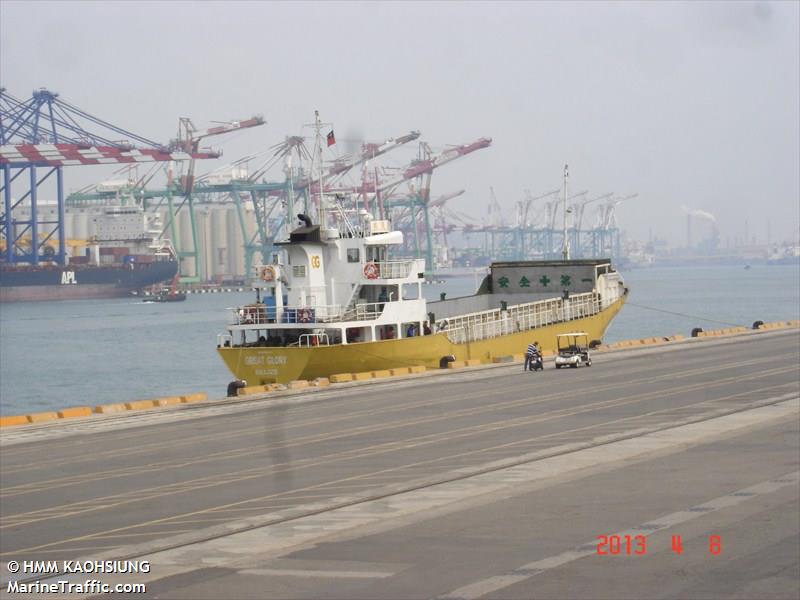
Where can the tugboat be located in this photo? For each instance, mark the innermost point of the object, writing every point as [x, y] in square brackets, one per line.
[334, 301]
[167, 295]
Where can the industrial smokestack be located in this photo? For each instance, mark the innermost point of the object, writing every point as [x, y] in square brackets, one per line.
[703, 214]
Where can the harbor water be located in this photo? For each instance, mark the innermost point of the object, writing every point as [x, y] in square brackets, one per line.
[89, 352]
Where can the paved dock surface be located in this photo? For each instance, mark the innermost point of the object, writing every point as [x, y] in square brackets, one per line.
[491, 483]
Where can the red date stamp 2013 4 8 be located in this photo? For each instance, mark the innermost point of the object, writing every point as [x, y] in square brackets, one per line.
[636, 545]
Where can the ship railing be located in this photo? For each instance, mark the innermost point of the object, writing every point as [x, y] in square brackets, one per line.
[224, 340]
[523, 317]
[389, 269]
[309, 340]
[263, 314]
[367, 311]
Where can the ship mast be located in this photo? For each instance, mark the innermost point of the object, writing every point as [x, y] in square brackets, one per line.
[565, 246]
[321, 199]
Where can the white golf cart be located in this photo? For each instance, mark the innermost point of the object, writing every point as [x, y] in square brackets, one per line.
[573, 350]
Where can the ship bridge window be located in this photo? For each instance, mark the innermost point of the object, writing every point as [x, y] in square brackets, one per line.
[353, 255]
[376, 253]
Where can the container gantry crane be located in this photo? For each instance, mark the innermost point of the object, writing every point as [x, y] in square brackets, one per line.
[188, 140]
[582, 247]
[48, 132]
[605, 235]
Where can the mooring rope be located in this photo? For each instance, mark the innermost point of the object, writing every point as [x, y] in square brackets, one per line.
[680, 314]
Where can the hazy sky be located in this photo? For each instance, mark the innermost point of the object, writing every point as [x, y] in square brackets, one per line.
[688, 104]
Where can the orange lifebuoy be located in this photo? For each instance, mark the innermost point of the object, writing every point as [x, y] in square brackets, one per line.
[371, 270]
[268, 273]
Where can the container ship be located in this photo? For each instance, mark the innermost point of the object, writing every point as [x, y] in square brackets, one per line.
[124, 257]
[334, 301]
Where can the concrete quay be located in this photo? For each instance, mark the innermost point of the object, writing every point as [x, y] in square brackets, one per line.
[483, 482]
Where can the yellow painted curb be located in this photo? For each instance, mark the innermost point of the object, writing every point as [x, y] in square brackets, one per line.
[457, 364]
[472, 362]
[169, 401]
[417, 369]
[400, 371]
[75, 411]
[250, 389]
[42, 417]
[381, 374]
[362, 375]
[321, 382]
[297, 384]
[341, 377]
[503, 359]
[109, 408]
[139, 404]
[13, 420]
[196, 397]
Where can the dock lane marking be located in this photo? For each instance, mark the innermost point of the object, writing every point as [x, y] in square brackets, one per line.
[281, 497]
[261, 536]
[312, 573]
[490, 585]
[100, 503]
[277, 539]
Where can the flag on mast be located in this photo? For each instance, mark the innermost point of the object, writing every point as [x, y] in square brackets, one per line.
[331, 139]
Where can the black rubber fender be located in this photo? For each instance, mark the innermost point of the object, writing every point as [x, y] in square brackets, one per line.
[446, 360]
[757, 324]
[696, 330]
[234, 387]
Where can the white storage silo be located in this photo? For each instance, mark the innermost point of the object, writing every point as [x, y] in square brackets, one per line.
[186, 242]
[219, 245]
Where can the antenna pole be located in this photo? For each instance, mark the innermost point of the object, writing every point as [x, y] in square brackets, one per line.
[320, 207]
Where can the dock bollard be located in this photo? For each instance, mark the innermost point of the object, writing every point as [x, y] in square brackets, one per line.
[757, 324]
[696, 331]
[234, 387]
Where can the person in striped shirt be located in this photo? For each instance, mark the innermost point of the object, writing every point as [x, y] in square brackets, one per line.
[531, 356]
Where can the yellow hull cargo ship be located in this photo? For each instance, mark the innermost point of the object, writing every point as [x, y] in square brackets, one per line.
[334, 302]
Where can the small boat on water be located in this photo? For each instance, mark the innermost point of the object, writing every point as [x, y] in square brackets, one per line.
[170, 294]
[165, 296]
